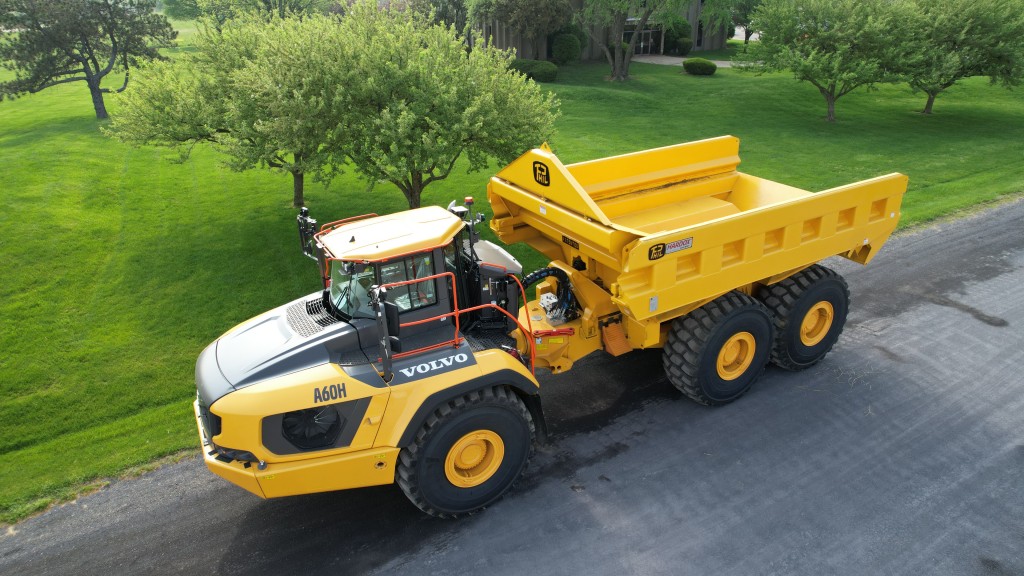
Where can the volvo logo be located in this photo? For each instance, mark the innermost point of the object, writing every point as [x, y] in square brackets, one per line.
[427, 367]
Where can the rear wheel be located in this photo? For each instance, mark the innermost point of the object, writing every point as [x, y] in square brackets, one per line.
[809, 310]
[715, 353]
[468, 454]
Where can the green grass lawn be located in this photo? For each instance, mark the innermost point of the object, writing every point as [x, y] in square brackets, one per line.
[122, 265]
[732, 47]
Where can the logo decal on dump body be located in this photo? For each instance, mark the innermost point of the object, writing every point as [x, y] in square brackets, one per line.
[660, 250]
[541, 174]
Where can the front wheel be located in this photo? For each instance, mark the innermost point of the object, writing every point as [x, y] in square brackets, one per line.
[468, 454]
[716, 352]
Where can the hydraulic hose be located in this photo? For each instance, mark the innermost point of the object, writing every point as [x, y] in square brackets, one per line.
[566, 302]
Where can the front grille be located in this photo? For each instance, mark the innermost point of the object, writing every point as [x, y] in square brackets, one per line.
[309, 318]
[210, 421]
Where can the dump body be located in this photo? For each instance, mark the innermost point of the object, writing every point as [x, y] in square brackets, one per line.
[663, 231]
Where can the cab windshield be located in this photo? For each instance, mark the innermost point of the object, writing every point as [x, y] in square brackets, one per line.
[350, 289]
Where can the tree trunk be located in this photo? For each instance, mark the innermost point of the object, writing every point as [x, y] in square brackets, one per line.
[412, 188]
[620, 71]
[298, 189]
[620, 62]
[929, 104]
[831, 100]
[747, 33]
[97, 97]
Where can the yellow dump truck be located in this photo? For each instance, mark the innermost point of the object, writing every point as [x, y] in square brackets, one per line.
[415, 363]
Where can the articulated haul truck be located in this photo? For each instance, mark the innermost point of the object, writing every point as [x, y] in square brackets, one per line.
[415, 363]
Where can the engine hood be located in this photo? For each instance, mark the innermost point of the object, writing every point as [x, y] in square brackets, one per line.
[292, 337]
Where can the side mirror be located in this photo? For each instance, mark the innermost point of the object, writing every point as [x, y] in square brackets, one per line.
[307, 229]
[387, 320]
[307, 241]
[394, 326]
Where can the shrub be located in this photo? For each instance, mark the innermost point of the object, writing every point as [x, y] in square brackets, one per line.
[684, 45]
[566, 48]
[677, 36]
[538, 70]
[570, 28]
[699, 67]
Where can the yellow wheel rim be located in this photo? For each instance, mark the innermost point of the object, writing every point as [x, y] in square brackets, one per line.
[736, 355]
[816, 323]
[474, 458]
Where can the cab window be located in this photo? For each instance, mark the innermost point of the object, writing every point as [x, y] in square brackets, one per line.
[411, 296]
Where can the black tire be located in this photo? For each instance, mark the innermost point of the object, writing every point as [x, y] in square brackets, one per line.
[791, 302]
[697, 343]
[422, 472]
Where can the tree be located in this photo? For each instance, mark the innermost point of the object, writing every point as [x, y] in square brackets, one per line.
[423, 102]
[182, 9]
[220, 11]
[835, 45]
[613, 16]
[532, 19]
[260, 91]
[742, 11]
[955, 39]
[386, 92]
[727, 14]
[54, 42]
[451, 12]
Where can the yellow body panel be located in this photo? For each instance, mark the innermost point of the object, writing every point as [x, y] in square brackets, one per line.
[317, 472]
[234, 472]
[243, 411]
[662, 232]
[341, 472]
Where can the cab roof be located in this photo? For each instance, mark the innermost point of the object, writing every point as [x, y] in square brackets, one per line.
[385, 237]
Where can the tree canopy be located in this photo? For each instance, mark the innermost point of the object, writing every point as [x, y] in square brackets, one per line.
[260, 91]
[451, 12]
[835, 45]
[385, 92]
[56, 42]
[532, 19]
[954, 39]
[612, 15]
[423, 102]
[220, 11]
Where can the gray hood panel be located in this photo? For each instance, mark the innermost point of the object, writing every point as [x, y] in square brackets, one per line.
[267, 347]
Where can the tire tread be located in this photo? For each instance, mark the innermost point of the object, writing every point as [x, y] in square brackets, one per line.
[405, 474]
[781, 297]
[688, 337]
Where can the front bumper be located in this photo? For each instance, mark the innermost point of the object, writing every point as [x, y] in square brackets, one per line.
[239, 473]
[371, 467]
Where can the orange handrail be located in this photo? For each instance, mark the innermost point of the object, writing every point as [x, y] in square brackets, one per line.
[457, 312]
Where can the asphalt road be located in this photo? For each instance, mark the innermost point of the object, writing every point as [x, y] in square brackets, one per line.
[901, 453]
